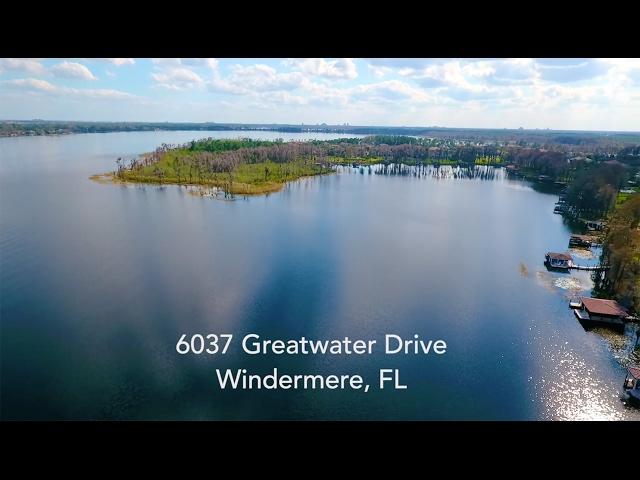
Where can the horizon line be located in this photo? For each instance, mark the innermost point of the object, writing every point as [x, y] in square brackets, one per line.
[322, 125]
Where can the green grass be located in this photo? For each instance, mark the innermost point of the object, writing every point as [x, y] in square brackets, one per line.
[442, 161]
[432, 161]
[623, 197]
[487, 160]
[354, 160]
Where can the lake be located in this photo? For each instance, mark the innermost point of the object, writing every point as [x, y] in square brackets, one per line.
[99, 281]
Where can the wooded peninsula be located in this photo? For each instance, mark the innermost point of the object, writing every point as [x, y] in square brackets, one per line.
[245, 166]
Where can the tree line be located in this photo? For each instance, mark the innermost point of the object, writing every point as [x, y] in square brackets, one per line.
[224, 155]
[621, 250]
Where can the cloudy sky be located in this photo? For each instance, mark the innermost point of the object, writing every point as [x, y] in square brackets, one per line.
[581, 94]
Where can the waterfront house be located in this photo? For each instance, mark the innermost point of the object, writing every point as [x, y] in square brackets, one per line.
[558, 260]
[598, 312]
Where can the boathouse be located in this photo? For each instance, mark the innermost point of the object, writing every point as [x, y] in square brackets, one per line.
[601, 312]
[558, 260]
[599, 308]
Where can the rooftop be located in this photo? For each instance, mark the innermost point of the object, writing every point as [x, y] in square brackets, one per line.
[635, 371]
[559, 256]
[600, 306]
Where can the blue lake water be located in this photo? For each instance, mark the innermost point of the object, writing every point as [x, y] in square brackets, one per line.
[99, 281]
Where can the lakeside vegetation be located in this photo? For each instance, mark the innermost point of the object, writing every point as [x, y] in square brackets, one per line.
[593, 174]
[246, 166]
[593, 191]
[621, 250]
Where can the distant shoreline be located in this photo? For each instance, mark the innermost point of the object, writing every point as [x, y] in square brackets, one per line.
[541, 136]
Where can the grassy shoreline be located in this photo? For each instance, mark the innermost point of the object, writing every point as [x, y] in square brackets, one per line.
[234, 188]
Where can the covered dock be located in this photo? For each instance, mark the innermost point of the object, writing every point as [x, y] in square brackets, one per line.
[558, 260]
[598, 312]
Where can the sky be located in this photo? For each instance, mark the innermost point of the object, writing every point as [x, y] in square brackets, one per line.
[563, 94]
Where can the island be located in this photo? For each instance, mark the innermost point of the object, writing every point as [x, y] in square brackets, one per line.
[249, 167]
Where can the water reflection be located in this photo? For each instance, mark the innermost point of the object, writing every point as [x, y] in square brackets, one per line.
[444, 172]
[574, 390]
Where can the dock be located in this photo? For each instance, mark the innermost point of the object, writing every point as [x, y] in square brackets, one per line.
[564, 261]
[597, 312]
[595, 268]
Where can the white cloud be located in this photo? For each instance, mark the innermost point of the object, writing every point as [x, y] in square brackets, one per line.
[255, 79]
[118, 62]
[264, 78]
[477, 93]
[513, 71]
[560, 93]
[402, 63]
[442, 74]
[31, 84]
[322, 94]
[280, 98]
[379, 72]
[105, 93]
[34, 85]
[554, 62]
[563, 72]
[211, 63]
[469, 75]
[264, 84]
[166, 61]
[178, 78]
[72, 70]
[180, 74]
[219, 84]
[622, 64]
[339, 68]
[390, 91]
[27, 65]
[634, 76]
